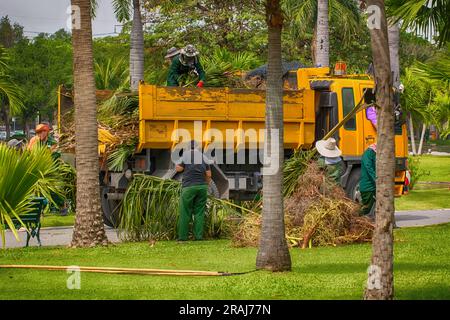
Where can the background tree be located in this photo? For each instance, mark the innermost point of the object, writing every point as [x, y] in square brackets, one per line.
[322, 45]
[10, 34]
[88, 229]
[40, 66]
[338, 17]
[11, 95]
[122, 8]
[382, 242]
[273, 253]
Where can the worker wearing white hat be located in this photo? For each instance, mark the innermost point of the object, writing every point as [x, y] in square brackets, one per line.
[330, 158]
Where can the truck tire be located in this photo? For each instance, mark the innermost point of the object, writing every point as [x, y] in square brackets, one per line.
[110, 209]
[352, 189]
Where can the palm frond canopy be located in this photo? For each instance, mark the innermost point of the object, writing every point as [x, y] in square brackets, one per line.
[424, 16]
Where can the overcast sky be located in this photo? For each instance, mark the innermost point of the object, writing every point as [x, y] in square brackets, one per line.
[50, 15]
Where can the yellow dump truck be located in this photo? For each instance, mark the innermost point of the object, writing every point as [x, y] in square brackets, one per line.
[231, 120]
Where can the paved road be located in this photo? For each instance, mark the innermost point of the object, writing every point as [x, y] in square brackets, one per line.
[63, 235]
[54, 236]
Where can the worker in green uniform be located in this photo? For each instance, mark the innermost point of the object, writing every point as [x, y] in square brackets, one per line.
[194, 192]
[330, 158]
[186, 61]
[367, 182]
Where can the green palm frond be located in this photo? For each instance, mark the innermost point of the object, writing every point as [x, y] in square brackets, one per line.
[438, 68]
[302, 15]
[423, 15]
[150, 210]
[111, 74]
[119, 156]
[122, 10]
[23, 175]
[12, 94]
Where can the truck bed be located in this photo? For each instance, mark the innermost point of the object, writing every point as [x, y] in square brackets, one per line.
[164, 109]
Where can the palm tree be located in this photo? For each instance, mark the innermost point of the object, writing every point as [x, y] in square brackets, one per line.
[273, 253]
[394, 47]
[427, 16]
[413, 102]
[323, 35]
[380, 282]
[88, 229]
[10, 94]
[122, 9]
[306, 14]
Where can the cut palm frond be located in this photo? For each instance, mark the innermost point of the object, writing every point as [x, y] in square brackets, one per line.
[22, 176]
[150, 211]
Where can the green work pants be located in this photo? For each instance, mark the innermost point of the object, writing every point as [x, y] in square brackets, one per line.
[192, 203]
[368, 201]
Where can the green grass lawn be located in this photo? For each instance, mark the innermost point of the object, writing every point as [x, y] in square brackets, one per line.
[438, 166]
[428, 199]
[422, 271]
[56, 220]
[424, 200]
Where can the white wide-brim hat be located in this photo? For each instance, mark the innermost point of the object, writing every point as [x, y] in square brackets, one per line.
[328, 148]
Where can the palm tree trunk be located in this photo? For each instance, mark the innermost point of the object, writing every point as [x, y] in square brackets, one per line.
[394, 45]
[88, 230]
[380, 283]
[314, 46]
[323, 38]
[273, 253]
[137, 48]
[422, 136]
[411, 133]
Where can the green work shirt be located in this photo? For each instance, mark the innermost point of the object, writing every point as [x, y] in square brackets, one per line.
[177, 69]
[334, 171]
[368, 171]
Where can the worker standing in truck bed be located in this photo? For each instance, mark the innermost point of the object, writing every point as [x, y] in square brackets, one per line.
[186, 61]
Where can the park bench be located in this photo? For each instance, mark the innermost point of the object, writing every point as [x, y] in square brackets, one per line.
[32, 219]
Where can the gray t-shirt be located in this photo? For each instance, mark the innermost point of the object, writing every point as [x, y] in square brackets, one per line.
[195, 169]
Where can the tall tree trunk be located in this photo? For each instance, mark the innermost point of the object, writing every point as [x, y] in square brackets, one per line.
[273, 253]
[394, 46]
[411, 133]
[323, 37]
[137, 48]
[380, 283]
[88, 230]
[314, 46]
[422, 136]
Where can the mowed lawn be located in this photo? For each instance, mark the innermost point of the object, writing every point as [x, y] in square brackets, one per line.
[438, 166]
[56, 220]
[428, 199]
[422, 271]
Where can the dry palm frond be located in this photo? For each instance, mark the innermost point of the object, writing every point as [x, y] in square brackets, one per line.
[317, 213]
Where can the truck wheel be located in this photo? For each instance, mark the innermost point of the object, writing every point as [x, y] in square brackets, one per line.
[213, 190]
[352, 189]
[110, 209]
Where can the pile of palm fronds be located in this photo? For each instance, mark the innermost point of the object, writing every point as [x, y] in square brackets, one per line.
[149, 210]
[317, 213]
[118, 128]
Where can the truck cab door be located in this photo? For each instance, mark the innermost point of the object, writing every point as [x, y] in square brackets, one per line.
[350, 132]
[369, 131]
